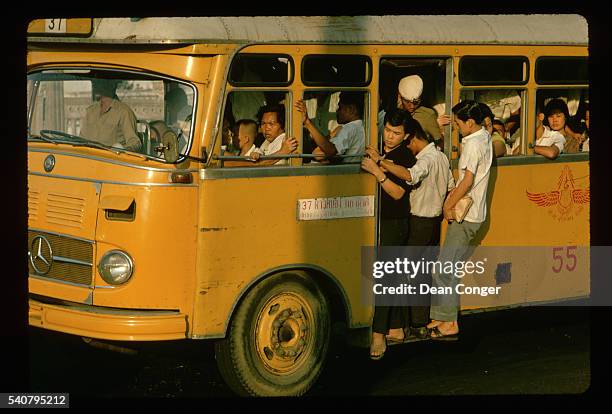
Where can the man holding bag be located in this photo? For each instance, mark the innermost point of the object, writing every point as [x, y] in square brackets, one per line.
[474, 169]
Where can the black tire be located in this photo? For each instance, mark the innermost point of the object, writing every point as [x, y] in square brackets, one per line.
[278, 339]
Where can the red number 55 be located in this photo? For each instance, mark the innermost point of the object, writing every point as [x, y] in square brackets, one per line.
[570, 254]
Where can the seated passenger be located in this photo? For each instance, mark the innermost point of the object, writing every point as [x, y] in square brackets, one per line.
[108, 120]
[585, 142]
[324, 119]
[549, 139]
[177, 106]
[500, 128]
[499, 143]
[350, 139]
[273, 127]
[574, 133]
[245, 132]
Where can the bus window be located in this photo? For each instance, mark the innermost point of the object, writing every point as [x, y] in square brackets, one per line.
[336, 117]
[336, 70]
[257, 69]
[247, 128]
[109, 107]
[562, 70]
[505, 104]
[493, 70]
[563, 111]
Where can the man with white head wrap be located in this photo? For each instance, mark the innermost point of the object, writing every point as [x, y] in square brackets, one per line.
[409, 92]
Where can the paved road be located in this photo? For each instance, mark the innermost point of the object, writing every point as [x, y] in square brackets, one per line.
[540, 350]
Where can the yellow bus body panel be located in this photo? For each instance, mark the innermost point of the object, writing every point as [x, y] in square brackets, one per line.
[256, 230]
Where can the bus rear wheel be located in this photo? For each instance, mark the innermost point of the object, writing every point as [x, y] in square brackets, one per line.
[278, 339]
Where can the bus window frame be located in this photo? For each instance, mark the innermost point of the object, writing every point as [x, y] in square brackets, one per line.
[262, 84]
[364, 84]
[527, 70]
[33, 93]
[537, 70]
[448, 93]
[158, 76]
[532, 139]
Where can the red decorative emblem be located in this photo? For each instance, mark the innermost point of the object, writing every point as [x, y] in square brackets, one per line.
[565, 197]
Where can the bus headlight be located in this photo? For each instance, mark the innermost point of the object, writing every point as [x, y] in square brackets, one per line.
[116, 267]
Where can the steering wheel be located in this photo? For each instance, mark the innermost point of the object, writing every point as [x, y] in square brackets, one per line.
[49, 133]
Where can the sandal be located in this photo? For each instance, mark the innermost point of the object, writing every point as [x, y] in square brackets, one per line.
[378, 357]
[439, 336]
[401, 340]
[419, 333]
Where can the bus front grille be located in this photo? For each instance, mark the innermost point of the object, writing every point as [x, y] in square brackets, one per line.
[60, 257]
[65, 210]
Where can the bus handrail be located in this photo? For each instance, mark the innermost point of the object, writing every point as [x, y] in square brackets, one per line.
[282, 156]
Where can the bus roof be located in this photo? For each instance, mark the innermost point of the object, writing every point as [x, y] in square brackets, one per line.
[560, 29]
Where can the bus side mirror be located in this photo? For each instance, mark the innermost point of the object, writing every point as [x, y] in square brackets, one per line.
[169, 146]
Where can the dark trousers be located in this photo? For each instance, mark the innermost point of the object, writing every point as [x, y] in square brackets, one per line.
[424, 233]
[393, 232]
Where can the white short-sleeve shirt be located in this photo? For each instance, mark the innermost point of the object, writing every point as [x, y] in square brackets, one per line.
[550, 138]
[432, 172]
[269, 148]
[477, 156]
[350, 140]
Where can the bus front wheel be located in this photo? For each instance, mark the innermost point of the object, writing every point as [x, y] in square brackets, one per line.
[278, 338]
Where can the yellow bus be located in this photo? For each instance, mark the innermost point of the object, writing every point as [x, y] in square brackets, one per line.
[162, 239]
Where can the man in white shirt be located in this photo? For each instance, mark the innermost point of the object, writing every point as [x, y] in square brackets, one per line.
[273, 128]
[351, 137]
[474, 170]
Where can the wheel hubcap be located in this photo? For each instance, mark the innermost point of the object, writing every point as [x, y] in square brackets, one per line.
[282, 333]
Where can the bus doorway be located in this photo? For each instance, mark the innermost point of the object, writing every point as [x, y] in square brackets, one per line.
[436, 75]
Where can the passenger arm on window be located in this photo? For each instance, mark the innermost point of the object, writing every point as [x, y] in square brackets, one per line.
[550, 152]
[289, 145]
[540, 126]
[322, 142]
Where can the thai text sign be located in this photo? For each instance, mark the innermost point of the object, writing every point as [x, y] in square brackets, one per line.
[335, 207]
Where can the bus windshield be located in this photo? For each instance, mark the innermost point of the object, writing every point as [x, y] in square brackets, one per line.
[102, 108]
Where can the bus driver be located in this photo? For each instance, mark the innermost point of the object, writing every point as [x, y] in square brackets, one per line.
[108, 120]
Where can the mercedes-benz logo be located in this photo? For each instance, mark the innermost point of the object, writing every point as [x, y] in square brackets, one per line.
[41, 255]
[49, 163]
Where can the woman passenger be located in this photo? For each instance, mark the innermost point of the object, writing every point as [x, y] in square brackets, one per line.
[550, 138]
